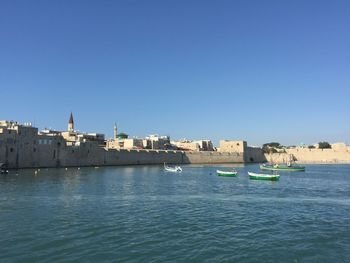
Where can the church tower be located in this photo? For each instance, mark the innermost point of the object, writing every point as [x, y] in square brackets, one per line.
[71, 123]
[115, 131]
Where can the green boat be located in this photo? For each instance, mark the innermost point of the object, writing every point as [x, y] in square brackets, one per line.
[282, 167]
[270, 177]
[232, 173]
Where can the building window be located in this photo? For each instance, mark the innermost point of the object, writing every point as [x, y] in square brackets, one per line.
[34, 142]
[11, 149]
[34, 149]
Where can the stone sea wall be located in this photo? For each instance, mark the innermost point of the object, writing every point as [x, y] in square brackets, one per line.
[303, 155]
[213, 157]
[94, 155]
[254, 155]
[23, 147]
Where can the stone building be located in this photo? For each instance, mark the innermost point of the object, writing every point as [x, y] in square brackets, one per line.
[232, 146]
[22, 145]
[122, 141]
[73, 137]
[128, 143]
[205, 145]
[251, 154]
[199, 145]
[157, 142]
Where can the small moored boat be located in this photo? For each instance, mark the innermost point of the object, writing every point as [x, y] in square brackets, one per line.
[3, 168]
[271, 177]
[282, 167]
[231, 173]
[175, 169]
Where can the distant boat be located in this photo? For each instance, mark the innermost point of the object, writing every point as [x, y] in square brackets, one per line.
[175, 169]
[3, 169]
[231, 173]
[271, 177]
[282, 167]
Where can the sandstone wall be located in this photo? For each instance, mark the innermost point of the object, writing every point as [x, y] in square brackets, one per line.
[132, 157]
[213, 157]
[232, 146]
[254, 155]
[320, 155]
[304, 155]
[101, 156]
[93, 155]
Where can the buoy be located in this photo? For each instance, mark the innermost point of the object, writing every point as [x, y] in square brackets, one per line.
[66, 168]
[78, 168]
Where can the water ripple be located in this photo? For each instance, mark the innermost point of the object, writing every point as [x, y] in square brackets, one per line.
[138, 214]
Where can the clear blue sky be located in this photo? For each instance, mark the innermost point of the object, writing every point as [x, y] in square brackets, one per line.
[255, 70]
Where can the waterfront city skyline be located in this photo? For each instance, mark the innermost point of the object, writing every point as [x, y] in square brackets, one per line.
[189, 69]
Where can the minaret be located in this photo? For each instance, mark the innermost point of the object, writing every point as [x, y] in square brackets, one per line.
[71, 123]
[115, 131]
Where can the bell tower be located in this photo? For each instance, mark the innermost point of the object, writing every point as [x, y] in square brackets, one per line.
[71, 123]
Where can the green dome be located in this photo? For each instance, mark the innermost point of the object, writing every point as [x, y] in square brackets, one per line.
[122, 135]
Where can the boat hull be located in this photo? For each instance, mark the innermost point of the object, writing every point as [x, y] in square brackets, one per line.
[282, 168]
[176, 169]
[226, 173]
[173, 170]
[266, 177]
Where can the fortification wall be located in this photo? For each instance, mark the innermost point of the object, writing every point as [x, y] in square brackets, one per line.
[254, 155]
[94, 155]
[132, 157]
[278, 157]
[213, 157]
[304, 155]
[101, 156]
[23, 147]
[320, 155]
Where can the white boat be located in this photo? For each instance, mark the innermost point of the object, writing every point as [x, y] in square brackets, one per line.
[175, 169]
[3, 169]
[255, 176]
[226, 173]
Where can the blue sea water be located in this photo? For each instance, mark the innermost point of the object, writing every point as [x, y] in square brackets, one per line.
[144, 214]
